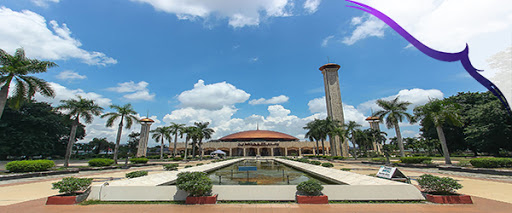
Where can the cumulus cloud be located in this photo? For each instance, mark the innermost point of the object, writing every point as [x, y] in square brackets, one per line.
[44, 3]
[415, 96]
[312, 5]
[137, 91]
[273, 100]
[212, 96]
[64, 93]
[371, 26]
[29, 30]
[239, 13]
[326, 40]
[70, 75]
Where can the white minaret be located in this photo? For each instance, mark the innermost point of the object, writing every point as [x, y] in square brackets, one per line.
[144, 136]
[334, 105]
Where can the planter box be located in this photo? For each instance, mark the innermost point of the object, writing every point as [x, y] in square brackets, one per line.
[66, 199]
[202, 200]
[322, 199]
[449, 199]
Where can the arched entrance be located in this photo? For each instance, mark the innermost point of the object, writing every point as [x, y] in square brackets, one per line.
[264, 151]
[278, 151]
[251, 151]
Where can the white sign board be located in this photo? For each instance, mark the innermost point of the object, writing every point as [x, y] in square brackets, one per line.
[386, 172]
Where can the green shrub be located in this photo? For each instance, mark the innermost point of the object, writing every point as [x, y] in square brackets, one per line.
[188, 166]
[171, 166]
[310, 188]
[464, 163]
[154, 157]
[378, 159]
[491, 162]
[438, 185]
[327, 165]
[314, 162]
[414, 159]
[136, 174]
[97, 162]
[70, 185]
[29, 165]
[199, 164]
[177, 158]
[303, 160]
[338, 158]
[195, 183]
[139, 160]
[345, 169]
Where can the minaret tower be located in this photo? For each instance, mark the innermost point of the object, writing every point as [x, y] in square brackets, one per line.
[374, 124]
[334, 105]
[144, 136]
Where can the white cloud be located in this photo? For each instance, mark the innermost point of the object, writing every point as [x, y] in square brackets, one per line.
[240, 13]
[254, 59]
[63, 93]
[326, 40]
[44, 3]
[502, 63]
[29, 30]
[415, 96]
[371, 26]
[212, 96]
[350, 113]
[70, 75]
[138, 91]
[273, 100]
[312, 5]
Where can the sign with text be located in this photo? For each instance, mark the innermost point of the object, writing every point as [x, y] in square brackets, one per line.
[386, 172]
[258, 144]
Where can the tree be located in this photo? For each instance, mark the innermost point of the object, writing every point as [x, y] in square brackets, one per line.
[327, 126]
[339, 131]
[439, 112]
[159, 134]
[125, 113]
[18, 67]
[35, 129]
[395, 110]
[175, 129]
[99, 144]
[203, 132]
[189, 131]
[315, 133]
[378, 137]
[351, 128]
[83, 108]
[133, 142]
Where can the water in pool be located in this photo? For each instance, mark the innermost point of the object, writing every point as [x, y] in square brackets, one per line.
[268, 172]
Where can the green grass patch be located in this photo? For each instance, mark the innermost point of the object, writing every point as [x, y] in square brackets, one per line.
[99, 202]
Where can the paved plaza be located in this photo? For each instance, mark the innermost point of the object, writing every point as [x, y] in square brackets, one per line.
[491, 193]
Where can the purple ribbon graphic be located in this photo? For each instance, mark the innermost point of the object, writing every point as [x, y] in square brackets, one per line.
[442, 56]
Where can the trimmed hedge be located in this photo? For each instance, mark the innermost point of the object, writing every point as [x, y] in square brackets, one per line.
[314, 162]
[139, 160]
[491, 162]
[310, 188]
[188, 166]
[171, 167]
[303, 160]
[413, 160]
[99, 162]
[327, 165]
[29, 165]
[195, 183]
[70, 185]
[136, 174]
[378, 159]
[438, 185]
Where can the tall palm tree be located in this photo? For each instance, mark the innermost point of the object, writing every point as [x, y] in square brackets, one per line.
[351, 128]
[18, 67]
[194, 135]
[378, 137]
[189, 131]
[175, 129]
[339, 131]
[203, 132]
[159, 134]
[439, 112]
[83, 108]
[125, 113]
[395, 110]
[328, 125]
[314, 133]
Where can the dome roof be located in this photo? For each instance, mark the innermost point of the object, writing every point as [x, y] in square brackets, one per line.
[258, 135]
[372, 118]
[147, 120]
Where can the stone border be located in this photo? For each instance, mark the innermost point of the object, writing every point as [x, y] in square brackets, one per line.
[450, 168]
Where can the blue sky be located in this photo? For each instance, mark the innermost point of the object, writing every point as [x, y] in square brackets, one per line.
[238, 63]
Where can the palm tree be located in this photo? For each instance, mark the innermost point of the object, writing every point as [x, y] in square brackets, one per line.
[83, 108]
[395, 110]
[18, 67]
[189, 130]
[351, 128]
[328, 125]
[378, 137]
[314, 133]
[339, 131]
[99, 144]
[203, 132]
[439, 112]
[126, 113]
[175, 129]
[194, 135]
[159, 134]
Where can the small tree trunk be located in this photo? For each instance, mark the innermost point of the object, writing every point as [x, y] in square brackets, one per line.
[4, 92]
[323, 148]
[186, 149]
[399, 139]
[200, 149]
[118, 139]
[71, 141]
[175, 143]
[317, 150]
[442, 139]
[162, 148]
[193, 148]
